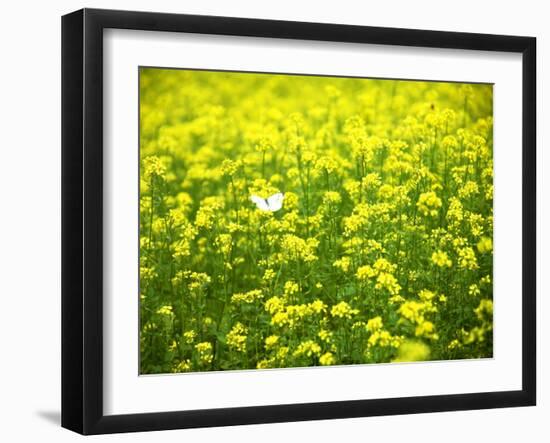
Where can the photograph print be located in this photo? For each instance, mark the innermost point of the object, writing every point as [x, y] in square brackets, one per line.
[299, 220]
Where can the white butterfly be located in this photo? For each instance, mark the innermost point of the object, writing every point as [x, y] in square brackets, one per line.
[272, 204]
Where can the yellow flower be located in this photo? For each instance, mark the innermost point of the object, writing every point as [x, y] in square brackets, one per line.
[485, 310]
[269, 275]
[146, 274]
[296, 248]
[207, 212]
[263, 364]
[394, 299]
[198, 280]
[343, 310]
[291, 288]
[307, 348]
[317, 306]
[449, 143]
[374, 324]
[332, 198]
[387, 192]
[455, 212]
[383, 265]
[344, 264]
[469, 188]
[467, 259]
[454, 344]
[388, 282]
[224, 243]
[183, 366]
[412, 350]
[429, 203]
[426, 329]
[426, 295]
[247, 297]
[153, 167]
[325, 335]
[441, 259]
[280, 319]
[182, 247]
[365, 273]
[236, 338]
[165, 310]
[382, 338]
[328, 165]
[189, 336]
[327, 359]
[359, 325]
[474, 290]
[485, 280]
[282, 353]
[271, 341]
[485, 245]
[230, 167]
[205, 352]
[412, 310]
[274, 304]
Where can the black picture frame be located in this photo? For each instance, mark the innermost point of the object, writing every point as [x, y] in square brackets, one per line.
[82, 218]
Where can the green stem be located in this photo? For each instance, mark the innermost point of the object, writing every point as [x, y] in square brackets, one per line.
[152, 211]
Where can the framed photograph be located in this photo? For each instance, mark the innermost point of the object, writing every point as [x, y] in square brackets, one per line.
[269, 221]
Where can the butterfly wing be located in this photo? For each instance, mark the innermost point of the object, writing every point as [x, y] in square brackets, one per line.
[275, 202]
[260, 202]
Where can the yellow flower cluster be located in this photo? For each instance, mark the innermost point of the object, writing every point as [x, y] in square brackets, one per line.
[485, 245]
[271, 341]
[412, 351]
[327, 359]
[441, 259]
[204, 350]
[429, 203]
[236, 338]
[153, 167]
[292, 315]
[189, 336]
[165, 310]
[295, 248]
[343, 310]
[307, 348]
[374, 324]
[384, 338]
[247, 297]
[417, 311]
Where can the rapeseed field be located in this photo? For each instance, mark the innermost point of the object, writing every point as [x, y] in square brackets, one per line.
[290, 221]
